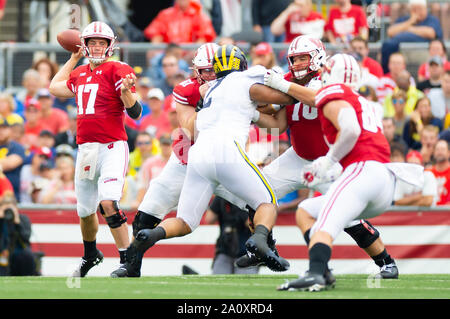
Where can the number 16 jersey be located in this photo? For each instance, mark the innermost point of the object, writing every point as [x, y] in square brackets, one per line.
[100, 116]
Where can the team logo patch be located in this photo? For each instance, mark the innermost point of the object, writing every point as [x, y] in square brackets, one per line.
[87, 168]
[110, 146]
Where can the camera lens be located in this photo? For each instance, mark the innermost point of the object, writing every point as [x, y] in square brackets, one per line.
[9, 214]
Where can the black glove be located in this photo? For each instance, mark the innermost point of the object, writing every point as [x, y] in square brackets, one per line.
[199, 105]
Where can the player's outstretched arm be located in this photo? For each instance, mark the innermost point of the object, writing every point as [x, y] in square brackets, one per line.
[303, 94]
[58, 85]
[265, 95]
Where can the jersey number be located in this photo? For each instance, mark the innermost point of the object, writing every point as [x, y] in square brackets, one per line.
[308, 112]
[370, 121]
[92, 90]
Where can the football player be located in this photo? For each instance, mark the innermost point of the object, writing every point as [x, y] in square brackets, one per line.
[217, 157]
[306, 55]
[366, 186]
[103, 90]
[164, 191]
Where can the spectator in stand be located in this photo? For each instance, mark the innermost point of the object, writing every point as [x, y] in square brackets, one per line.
[436, 48]
[157, 122]
[418, 26]
[47, 70]
[170, 68]
[440, 99]
[54, 120]
[61, 189]
[408, 195]
[297, 19]
[7, 107]
[17, 132]
[418, 120]
[41, 158]
[397, 64]
[155, 71]
[436, 70]
[12, 157]
[428, 140]
[361, 46]
[32, 124]
[403, 82]
[345, 22]
[146, 147]
[69, 136]
[263, 14]
[31, 82]
[398, 152]
[262, 54]
[46, 139]
[152, 167]
[441, 170]
[143, 85]
[399, 101]
[184, 22]
[389, 131]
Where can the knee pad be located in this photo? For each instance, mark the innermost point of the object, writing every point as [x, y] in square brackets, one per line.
[116, 220]
[364, 233]
[144, 221]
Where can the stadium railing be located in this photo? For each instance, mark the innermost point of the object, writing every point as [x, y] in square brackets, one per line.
[16, 58]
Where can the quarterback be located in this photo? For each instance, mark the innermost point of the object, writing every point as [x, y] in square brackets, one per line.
[103, 90]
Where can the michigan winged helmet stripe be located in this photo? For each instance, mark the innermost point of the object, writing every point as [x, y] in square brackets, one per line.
[228, 58]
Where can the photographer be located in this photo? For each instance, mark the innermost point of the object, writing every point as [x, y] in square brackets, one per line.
[16, 257]
[234, 232]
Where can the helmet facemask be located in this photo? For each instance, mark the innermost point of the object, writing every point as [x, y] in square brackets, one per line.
[302, 69]
[98, 30]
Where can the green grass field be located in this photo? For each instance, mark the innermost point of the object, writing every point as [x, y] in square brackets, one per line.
[220, 287]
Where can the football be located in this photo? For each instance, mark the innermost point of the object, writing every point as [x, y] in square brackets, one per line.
[69, 39]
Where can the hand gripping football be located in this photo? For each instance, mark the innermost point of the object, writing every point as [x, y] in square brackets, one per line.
[69, 39]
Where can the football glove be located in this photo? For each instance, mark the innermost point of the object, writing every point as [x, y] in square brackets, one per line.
[276, 81]
[321, 170]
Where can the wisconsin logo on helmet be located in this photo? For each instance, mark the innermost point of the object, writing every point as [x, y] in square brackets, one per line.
[228, 58]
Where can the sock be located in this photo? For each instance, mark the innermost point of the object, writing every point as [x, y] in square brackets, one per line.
[262, 230]
[382, 259]
[90, 248]
[319, 255]
[123, 255]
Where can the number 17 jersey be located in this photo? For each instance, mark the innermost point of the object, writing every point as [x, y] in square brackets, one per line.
[100, 116]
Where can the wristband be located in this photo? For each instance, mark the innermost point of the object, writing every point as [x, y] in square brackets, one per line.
[135, 111]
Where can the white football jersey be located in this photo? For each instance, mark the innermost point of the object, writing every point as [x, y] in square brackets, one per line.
[227, 108]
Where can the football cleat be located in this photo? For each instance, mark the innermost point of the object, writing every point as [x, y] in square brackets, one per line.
[330, 280]
[131, 268]
[389, 271]
[87, 264]
[248, 260]
[308, 282]
[267, 255]
[251, 260]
